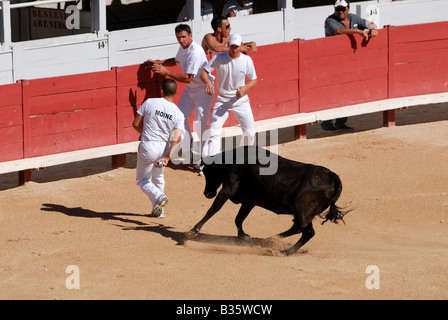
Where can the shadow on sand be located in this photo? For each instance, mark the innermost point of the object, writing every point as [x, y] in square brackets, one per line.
[272, 243]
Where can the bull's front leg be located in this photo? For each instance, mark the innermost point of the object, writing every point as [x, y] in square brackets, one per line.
[241, 216]
[221, 198]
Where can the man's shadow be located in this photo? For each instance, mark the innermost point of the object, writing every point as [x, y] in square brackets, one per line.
[159, 228]
[85, 213]
[147, 84]
[354, 42]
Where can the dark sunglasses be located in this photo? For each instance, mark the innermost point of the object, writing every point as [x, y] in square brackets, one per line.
[228, 26]
[341, 8]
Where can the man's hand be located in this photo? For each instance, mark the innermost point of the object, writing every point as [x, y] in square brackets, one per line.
[365, 34]
[158, 68]
[247, 47]
[241, 91]
[209, 88]
[373, 33]
[149, 63]
[164, 160]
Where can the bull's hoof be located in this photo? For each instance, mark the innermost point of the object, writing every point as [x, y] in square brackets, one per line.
[191, 234]
[245, 238]
[287, 252]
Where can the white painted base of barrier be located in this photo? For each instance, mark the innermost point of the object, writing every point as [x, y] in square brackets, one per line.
[262, 126]
[348, 111]
[67, 157]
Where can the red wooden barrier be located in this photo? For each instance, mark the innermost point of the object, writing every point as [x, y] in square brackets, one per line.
[418, 59]
[11, 122]
[69, 113]
[53, 115]
[342, 70]
[277, 91]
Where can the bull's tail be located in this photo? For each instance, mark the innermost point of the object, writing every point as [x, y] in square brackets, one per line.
[334, 212]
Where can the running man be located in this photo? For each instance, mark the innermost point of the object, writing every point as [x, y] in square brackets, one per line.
[160, 123]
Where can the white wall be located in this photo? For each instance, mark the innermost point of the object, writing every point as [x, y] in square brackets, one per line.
[58, 56]
[102, 50]
[399, 13]
[140, 44]
[6, 67]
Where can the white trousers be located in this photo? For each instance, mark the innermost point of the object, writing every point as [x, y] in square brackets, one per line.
[150, 178]
[199, 101]
[243, 113]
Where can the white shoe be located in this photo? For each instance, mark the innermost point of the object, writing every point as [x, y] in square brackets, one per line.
[157, 211]
[198, 166]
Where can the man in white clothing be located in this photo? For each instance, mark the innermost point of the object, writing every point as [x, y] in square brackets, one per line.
[232, 69]
[160, 123]
[192, 59]
[237, 8]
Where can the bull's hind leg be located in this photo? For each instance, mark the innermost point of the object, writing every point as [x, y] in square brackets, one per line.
[241, 216]
[307, 234]
[292, 231]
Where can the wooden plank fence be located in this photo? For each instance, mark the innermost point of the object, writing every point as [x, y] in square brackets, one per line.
[52, 120]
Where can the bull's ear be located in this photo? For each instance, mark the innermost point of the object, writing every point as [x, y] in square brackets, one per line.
[202, 162]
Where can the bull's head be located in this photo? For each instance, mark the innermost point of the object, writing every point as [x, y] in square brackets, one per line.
[213, 179]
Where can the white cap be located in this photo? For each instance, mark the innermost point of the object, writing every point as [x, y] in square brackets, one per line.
[340, 3]
[235, 39]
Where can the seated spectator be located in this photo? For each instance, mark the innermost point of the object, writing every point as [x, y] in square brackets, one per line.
[237, 8]
[206, 12]
[344, 22]
[218, 41]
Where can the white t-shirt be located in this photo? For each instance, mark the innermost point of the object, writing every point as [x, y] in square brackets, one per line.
[239, 11]
[160, 118]
[231, 73]
[191, 61]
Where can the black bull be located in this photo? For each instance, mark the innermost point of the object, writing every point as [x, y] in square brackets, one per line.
[302, 190]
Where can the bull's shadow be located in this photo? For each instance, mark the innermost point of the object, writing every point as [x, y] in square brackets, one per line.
[163, 230]
[180, 238]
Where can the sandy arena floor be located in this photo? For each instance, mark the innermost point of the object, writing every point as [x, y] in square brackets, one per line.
[89, 216]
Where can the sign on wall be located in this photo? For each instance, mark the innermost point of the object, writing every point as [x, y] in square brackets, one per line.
[48, 23]
[373, 14]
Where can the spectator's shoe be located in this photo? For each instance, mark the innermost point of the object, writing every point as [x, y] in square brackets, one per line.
[157, 211]
[343, 127]
[198, 166]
